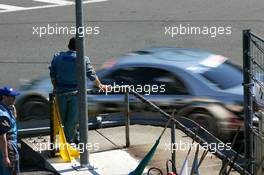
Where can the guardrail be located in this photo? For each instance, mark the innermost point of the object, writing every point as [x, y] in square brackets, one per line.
[190, 128]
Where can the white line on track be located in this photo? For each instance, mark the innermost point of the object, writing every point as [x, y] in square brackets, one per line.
[11, 7]
[59, 2]
[16, 8]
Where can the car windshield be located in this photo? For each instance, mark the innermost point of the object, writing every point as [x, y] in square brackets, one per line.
[224, 76]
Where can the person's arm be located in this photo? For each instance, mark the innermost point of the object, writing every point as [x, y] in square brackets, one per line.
[53, 71]
[3, 147]
[100, 85]
[91, 74]
[13, 110]
[4, 128]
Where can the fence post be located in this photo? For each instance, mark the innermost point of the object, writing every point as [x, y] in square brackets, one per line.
[259, 145]
[259, 150]
[173, 140]
[247, 100]
[127, 121]
[52, 135]
[262, 143]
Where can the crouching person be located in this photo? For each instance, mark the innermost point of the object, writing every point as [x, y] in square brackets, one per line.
[9, 158]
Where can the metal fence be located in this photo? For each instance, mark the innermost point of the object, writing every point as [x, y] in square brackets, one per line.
[253, 67]
[231, 159]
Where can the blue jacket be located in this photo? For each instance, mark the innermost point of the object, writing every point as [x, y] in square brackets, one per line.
[63, 70]
[11, 129]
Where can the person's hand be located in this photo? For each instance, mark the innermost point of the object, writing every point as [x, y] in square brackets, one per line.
[13, 109]
[6, 161]
[105, 88]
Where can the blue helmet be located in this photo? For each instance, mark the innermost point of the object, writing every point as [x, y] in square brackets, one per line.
[8, 91]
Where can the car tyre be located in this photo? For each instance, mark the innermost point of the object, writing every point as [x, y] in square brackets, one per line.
[33, 108]
[206, 121]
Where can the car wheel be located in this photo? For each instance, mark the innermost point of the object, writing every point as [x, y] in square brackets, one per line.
[206, 121]
[34, 108]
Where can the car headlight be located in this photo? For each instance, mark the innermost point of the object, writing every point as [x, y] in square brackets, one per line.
[234, 107]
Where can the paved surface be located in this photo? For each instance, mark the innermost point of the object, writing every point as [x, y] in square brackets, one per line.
[35, 171]
[111, 162]
[124, 26]
[117, 161]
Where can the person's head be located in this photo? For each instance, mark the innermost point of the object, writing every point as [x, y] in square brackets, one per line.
[8, 95]
[72, 44]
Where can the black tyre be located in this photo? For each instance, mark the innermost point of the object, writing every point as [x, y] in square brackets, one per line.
[206, 121]
[33, 109]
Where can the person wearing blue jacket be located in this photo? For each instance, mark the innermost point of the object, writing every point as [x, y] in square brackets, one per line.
[9, 157]
[63, 76]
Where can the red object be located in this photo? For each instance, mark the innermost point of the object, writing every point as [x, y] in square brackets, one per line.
[171, 173]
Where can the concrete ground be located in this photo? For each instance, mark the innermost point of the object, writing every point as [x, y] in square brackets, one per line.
[102, 141]
[142, 139]
[35, 171]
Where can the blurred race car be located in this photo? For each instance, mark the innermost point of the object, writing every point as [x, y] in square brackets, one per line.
[197, 84]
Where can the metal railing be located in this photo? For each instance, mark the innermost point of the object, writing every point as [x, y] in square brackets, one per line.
[126, 112]
[253, 67]
[127, 119]
[189, 127]
[193, 130]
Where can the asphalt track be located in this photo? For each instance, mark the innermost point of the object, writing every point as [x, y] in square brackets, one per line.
[123, 26]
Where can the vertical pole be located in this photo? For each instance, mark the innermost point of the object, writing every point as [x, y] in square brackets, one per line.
[261, 142]
[247, 100]
[223, 168]
[82, 96]
[259, 145]
[173, 140]
[52, 135]
[127, 122]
